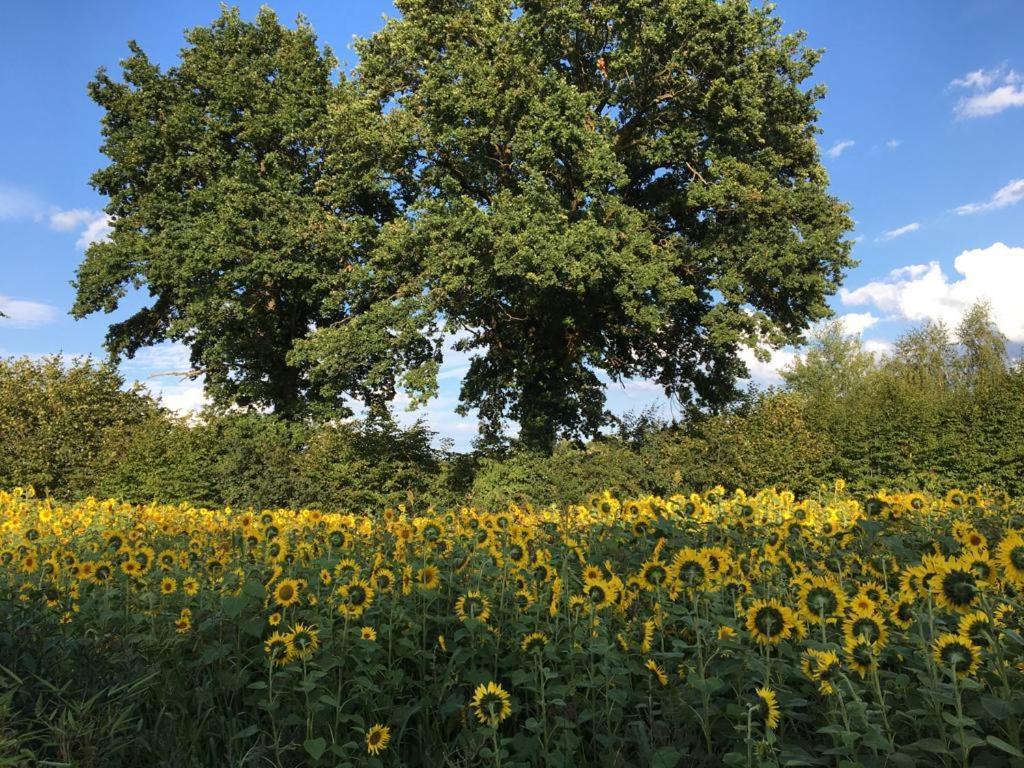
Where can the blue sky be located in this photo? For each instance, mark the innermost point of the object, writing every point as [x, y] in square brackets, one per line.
[923, 133]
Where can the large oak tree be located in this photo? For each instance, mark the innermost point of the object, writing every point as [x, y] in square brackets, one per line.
[576, 191]
[618, 187]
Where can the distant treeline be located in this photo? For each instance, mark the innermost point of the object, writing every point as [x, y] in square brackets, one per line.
[941, 410]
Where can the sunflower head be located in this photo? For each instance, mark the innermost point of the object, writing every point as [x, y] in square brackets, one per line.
[491, 704]
[766, 708]
[957, 654]
[377, 739]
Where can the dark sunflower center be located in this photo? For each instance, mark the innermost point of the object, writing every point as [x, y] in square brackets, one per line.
[959, 587]
[867, 629]
[691, 572]
[655, 574]
[1017, 558]
[822, 601]
[769, 621]
[957, 656]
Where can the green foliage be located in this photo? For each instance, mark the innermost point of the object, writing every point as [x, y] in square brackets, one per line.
[212, 177]
[54, 413]
[633, 190]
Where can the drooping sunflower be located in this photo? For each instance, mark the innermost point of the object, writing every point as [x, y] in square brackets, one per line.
[533, 641]
[377, 739]
[770, 622]
[286, 592]
[767, 708]
[956, 654]
[491, 704]
[657, 670]
[473, 605]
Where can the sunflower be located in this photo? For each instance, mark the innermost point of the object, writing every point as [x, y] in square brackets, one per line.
[599, 592]
[377, 739]
[770, 622]
[184, 622]
[821, 599]
[533, 641]
[657, 670]
[956, 653]
[491, 704]
[956, 498]
[823, 668]
[902, 613]
[766, 707]
[653, 575]
[868, 626]
[168, 586]
[190, 586]
[976, 626]
[861, 655]
[368, 633]
[690, 568]
[286, 592]
[429, 577]
[302, 641]
[354, 598]
[1010, 556]
[955, 586]
[473, 605]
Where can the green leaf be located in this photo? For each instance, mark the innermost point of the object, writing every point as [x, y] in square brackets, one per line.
[315, 747]
[1009, 749]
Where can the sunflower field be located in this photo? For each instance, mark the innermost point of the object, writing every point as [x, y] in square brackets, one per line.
[716, 629]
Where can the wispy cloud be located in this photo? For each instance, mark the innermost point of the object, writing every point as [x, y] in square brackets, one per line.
[993, 90]
[900, 231]
[839, 147]
[893, 143]
[17, 203]
[1012, 193]
[19, 313]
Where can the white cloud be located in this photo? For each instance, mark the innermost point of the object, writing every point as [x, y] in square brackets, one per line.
[18, 203]
[994, 90]
[924, 291]
[92, 226]
[855, 323]
[1012, 193]
[839, 147]
[25, 314]
[899, 231]
[96, 231]
[878, 347]
[766, 373]
[893, 143]
[65, 221]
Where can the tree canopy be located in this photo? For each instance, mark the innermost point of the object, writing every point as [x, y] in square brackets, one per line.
[574, 192]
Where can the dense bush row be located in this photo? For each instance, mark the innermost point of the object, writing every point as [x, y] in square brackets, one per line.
[932, 415]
